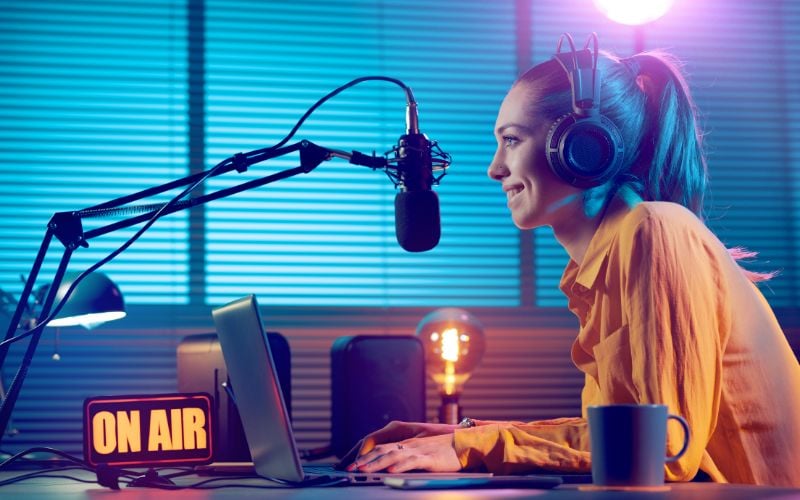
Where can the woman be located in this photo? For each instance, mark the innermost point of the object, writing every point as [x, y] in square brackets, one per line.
[666, 314]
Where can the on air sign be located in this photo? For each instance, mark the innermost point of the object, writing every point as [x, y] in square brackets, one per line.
[147, 430]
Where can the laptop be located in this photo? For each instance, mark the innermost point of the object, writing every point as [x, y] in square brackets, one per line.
[262, 409]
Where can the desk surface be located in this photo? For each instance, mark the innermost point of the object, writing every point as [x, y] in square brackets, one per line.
[62, 488]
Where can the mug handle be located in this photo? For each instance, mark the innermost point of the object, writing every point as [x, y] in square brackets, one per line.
[685, 437]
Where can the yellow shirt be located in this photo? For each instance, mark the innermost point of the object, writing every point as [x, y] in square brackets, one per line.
[667, 317]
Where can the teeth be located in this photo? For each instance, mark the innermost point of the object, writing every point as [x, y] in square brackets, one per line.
[513, 192]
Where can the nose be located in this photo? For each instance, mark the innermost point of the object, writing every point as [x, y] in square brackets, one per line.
[497, 169]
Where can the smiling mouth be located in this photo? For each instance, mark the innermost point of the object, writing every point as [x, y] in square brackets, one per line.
[511, 193]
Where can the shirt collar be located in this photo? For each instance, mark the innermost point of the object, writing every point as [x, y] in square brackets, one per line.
[586, 273]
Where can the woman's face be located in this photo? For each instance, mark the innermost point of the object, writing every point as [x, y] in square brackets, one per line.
[536, 196]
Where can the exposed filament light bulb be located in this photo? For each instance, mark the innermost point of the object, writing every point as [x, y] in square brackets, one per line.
[454, 343]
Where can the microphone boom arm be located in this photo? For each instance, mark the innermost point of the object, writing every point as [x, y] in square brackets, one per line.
[67, 227]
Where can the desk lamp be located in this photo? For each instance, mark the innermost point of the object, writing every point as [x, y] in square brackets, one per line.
[414, 165]
[454, 344]
[94, 301]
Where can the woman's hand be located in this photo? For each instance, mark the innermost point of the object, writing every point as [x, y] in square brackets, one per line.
[433, 453]
[392, 433]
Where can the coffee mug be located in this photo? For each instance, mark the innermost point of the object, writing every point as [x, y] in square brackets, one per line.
[629, 444]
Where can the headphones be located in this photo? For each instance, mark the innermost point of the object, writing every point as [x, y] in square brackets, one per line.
[584, 148]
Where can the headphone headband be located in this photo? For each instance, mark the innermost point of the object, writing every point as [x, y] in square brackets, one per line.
[581, 69]
[584, 148]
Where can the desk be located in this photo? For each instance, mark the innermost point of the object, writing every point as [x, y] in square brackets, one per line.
[67, 489]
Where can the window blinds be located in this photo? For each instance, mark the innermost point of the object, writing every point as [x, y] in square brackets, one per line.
[327, 238]
[92, 107]
[740, 60]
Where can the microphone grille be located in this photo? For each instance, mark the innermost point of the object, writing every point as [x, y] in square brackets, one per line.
[416, 220]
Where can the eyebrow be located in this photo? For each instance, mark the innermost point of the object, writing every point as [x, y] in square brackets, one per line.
[503, 128]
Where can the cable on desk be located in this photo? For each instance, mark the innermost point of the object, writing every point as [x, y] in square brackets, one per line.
[21, 457]
[320, 482]
[112, 477]
[46, 473]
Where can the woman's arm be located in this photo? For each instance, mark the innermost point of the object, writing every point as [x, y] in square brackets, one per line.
[668, 351]
[507, 448]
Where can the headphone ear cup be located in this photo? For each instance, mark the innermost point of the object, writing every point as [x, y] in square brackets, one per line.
[584, 152]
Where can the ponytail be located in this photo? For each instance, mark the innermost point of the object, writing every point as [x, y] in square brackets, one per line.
[648, 99]
[671, 164]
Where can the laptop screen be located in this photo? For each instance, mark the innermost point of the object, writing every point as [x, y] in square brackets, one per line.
[256, 390]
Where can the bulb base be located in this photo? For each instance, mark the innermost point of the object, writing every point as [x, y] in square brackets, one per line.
[450, 411]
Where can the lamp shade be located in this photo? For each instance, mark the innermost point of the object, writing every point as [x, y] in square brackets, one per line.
[94, 301]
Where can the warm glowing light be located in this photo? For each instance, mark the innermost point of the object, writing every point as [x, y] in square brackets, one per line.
[144, 430]
[454, 342]
[450, 345]
[633, 12]
[449, 386]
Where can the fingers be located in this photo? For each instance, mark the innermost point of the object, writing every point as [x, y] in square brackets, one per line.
[405, 463]
[369, 442]
[351, 455]
[434, 453]
[391, 432]
[379, 458]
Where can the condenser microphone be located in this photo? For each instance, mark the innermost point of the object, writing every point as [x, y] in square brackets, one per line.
[416, 205]
[412, 170]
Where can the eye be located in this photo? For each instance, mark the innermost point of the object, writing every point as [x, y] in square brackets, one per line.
[510, 141]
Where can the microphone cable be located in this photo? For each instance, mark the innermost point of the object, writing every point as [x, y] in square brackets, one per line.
[232, 160]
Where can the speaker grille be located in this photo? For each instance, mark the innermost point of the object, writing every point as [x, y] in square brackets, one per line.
[375, 379]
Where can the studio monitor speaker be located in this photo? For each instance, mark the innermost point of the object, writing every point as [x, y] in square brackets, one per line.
[374, 379]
